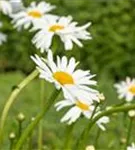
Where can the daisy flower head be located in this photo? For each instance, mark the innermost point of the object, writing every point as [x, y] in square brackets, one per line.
[3, 37]
[78, 108]
[126, 89]
[5, 7]
[64, 27]
[132, 147]
[34, 12]
[64, 75]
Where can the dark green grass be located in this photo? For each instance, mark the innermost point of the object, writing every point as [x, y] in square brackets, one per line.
[28, 102]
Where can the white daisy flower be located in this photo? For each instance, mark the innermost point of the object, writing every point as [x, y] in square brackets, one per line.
[126, 89]
[132, 147]
[3, 37]
[64, 75]
[5, 7]
[34, 12]
[101, 121]
[67, 30]
[78, 108]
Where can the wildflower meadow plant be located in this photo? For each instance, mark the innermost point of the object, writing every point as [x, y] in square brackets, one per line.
[76, 89]
[26, 16]
[126, 89]
[64, 27]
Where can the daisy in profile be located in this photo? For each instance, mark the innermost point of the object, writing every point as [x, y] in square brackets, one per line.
[5, 7]
[132, 147]
[65, 75]
[32, 13]
[3, 37]
[126, 89]
[78, 108]
[64, 27]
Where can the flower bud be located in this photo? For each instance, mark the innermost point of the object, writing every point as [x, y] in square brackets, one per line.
[101, 97]
[123, 140]
[33, 118]
[90, 147]
[21, 117]
[131, 113]
[12, 136]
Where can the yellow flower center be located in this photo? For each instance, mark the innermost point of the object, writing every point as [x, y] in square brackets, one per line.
[56, 27]
[132, 89]
[35, 14]
[82, 105]
[63, 77]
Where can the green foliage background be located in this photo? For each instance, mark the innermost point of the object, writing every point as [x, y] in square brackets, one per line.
[111, 52]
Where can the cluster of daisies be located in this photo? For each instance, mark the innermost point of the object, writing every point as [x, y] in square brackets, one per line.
[77, 85]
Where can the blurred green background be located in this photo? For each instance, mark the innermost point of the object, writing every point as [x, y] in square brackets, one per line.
[110, 55]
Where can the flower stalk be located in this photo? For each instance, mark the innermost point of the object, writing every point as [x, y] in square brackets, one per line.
[12, 98]
[37, 119]
[68, 139]
[84, 136]
[40, 128]
[129, 132]
[97, 137]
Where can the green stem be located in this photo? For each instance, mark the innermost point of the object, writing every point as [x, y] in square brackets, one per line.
[94, 111]
[11, 144]
[33, 124]
[68, 139]
[84, 136]
[19, 129]
[97, 137]
[40, 129]
[12, 98]
[129, 132]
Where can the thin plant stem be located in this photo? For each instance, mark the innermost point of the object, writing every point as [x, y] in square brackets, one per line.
[40, 128]
[84, 136]
[12, 98]
[129, 132]
[68, 139]
[19, 129]
[97, 137]
[94, 111]
[33, 124]
[11, 144]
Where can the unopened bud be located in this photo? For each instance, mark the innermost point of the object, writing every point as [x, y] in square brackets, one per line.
[33, 118]
[20, 117]
[123, 140]
[90, 147]
[12, 136]
[101, 97]
[131, 113]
